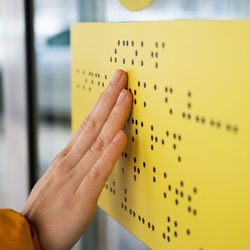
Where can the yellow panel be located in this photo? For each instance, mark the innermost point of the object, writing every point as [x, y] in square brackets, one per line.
[183, 181]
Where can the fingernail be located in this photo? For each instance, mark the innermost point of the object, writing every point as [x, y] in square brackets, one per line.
[121, 98]
[117, 138]
[116, 77]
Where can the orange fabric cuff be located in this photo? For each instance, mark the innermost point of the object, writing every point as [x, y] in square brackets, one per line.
[16, 232]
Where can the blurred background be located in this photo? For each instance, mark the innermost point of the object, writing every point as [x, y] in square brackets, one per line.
[35, 91]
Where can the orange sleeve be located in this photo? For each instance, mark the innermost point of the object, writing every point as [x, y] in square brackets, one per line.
[16, 232]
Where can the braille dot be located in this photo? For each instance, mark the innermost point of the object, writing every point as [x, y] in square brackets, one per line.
[149, 225]
[134, 177]
[218, 124]
[139, 83]
[166, 99]
[142, 63]
[122, 170]
[182, 184]
[139, 217]
[134, 159]
[133, 139]
[181, 193]
[136, 53]
[156, 139]
[168, 228]
[175, 234]
[168, 219]
[123, 43]
[169, 187]
[123, 60]
[189, 94]
[162, 141]
[176, 191]
[122, 205]
[133, 121]
[113, 191]
[114, 183]
[134, 213]
[132, 61]
[174, 146]
[188, 232]
[174, 135]
[183, 115]
[135, 91]
[167, 133]
[134, 169]
[142, 124]
[171, 90]
[195, 212]
[203, 120]
[143, 220]
[144, 104]
[235, 129]
[126, 155]
[144, 164]
[189, 198]
[156, 44]
[171, 111]
[212, 122]
[152, 54]
[119, 42]
[189, 105]
[110, 59]
[107, 186]
[106, 77]
[195, 190]
[115, 60]
[189, 209]
[152, 127]
[165, 195]
[176, 202]
[142, 43]
[197, 118]
[175, 224]
[166, 89]
[132, 43]
[134, 101]
[155, 87]
[154, 179]
[163, 235]
[163, 45]
[152, 137]
[130, 211]
[156, 54]
[165, 175]
[156, 64]
[179, 159]
[179, 137]
[102, 84]
[153, 227]
[189, 116]
[127, 43]
[125, 190]
[138, 170]
[154, 169]
[115, 51]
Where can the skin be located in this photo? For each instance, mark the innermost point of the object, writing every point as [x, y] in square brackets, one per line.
[63, 202]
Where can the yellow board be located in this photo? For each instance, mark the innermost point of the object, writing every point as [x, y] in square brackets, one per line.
[183, 181]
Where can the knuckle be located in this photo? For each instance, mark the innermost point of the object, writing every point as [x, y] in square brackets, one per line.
[93, 176]
[83, 124]
[91, 124]
[97, 145]
[106, 94]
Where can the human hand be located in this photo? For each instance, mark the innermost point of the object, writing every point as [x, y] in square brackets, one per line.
[63, 202]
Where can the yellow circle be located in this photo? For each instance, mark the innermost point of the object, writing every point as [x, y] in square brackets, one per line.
[135, 5]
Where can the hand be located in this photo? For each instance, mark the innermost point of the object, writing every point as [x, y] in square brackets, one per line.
[63, 202]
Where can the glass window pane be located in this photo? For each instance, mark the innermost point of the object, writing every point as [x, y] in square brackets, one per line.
[52, 21]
